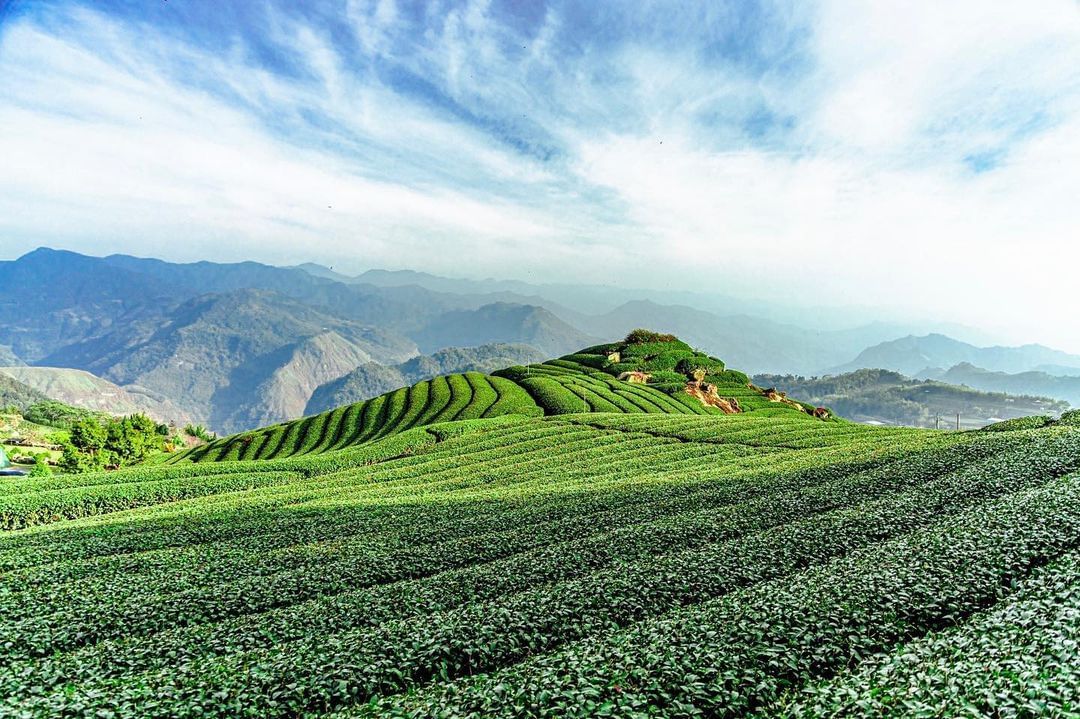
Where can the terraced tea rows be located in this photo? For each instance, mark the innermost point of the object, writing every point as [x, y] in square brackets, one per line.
[442, 399]
[557, 566]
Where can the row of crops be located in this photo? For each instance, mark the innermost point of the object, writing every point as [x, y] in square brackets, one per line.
[622, 564]
[443, 399]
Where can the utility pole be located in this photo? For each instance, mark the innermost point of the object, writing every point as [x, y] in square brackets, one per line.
[957, 421]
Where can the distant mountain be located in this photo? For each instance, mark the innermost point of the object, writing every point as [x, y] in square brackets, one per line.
[285, 393]
[214, 354]
[1065, 388]
[322, 271]
[233, 358]
[915, 355]
[372, 379]
[503, 322]
[133, 320]
[51, 298]
[888, 397]
[79, 388]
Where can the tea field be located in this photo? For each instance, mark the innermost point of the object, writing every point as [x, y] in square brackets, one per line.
[476, 548]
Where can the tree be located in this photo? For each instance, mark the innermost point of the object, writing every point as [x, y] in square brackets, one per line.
[88, 435]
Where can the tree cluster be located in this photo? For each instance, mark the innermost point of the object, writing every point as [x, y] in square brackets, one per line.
[111, 443]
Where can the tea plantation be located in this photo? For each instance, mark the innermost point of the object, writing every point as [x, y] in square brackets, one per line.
[556, 542]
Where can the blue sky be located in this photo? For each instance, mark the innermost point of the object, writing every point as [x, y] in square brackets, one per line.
[922, 157]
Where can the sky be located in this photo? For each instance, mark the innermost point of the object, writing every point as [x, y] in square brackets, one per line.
[922, 156]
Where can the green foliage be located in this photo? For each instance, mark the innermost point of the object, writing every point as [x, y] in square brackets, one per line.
[552, 396]
[110, 443]
[1070, 418]
[687, 366]
[668, 378]
[57, 414]
[442, 399]
[41, 467]
[642, 336]
[199, 432]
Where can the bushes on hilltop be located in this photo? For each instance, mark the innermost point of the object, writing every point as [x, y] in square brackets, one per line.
[642, 336]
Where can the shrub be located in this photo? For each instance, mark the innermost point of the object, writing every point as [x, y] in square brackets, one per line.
[199, 432]
[642, 336]
[1070, 418]
[688, 365]
[664, 377]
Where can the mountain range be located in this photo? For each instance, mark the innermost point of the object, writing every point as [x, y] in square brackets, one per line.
[240, 345]
[918, 356]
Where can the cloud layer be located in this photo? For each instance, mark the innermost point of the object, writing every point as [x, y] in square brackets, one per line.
[923, 156]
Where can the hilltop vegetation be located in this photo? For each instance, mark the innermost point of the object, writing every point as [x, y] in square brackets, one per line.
[677, 563]
[874, 395]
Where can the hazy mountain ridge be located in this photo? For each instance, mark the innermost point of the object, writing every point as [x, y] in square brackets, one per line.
[196, 333]
[1065, 388]
[503, 322]
[913, 356]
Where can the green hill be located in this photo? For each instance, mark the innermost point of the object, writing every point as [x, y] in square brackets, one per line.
[670, 560]
[588, 381]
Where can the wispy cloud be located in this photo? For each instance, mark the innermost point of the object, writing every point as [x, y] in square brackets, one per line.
[924, 155]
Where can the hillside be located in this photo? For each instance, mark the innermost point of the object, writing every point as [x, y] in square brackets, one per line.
[372, 379]
[914, 355]
[645, 374]
[872, 395]
[671, 557]
[82, 389]
[14, 393]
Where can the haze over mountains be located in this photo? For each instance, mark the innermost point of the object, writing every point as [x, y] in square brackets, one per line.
[240, 345]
